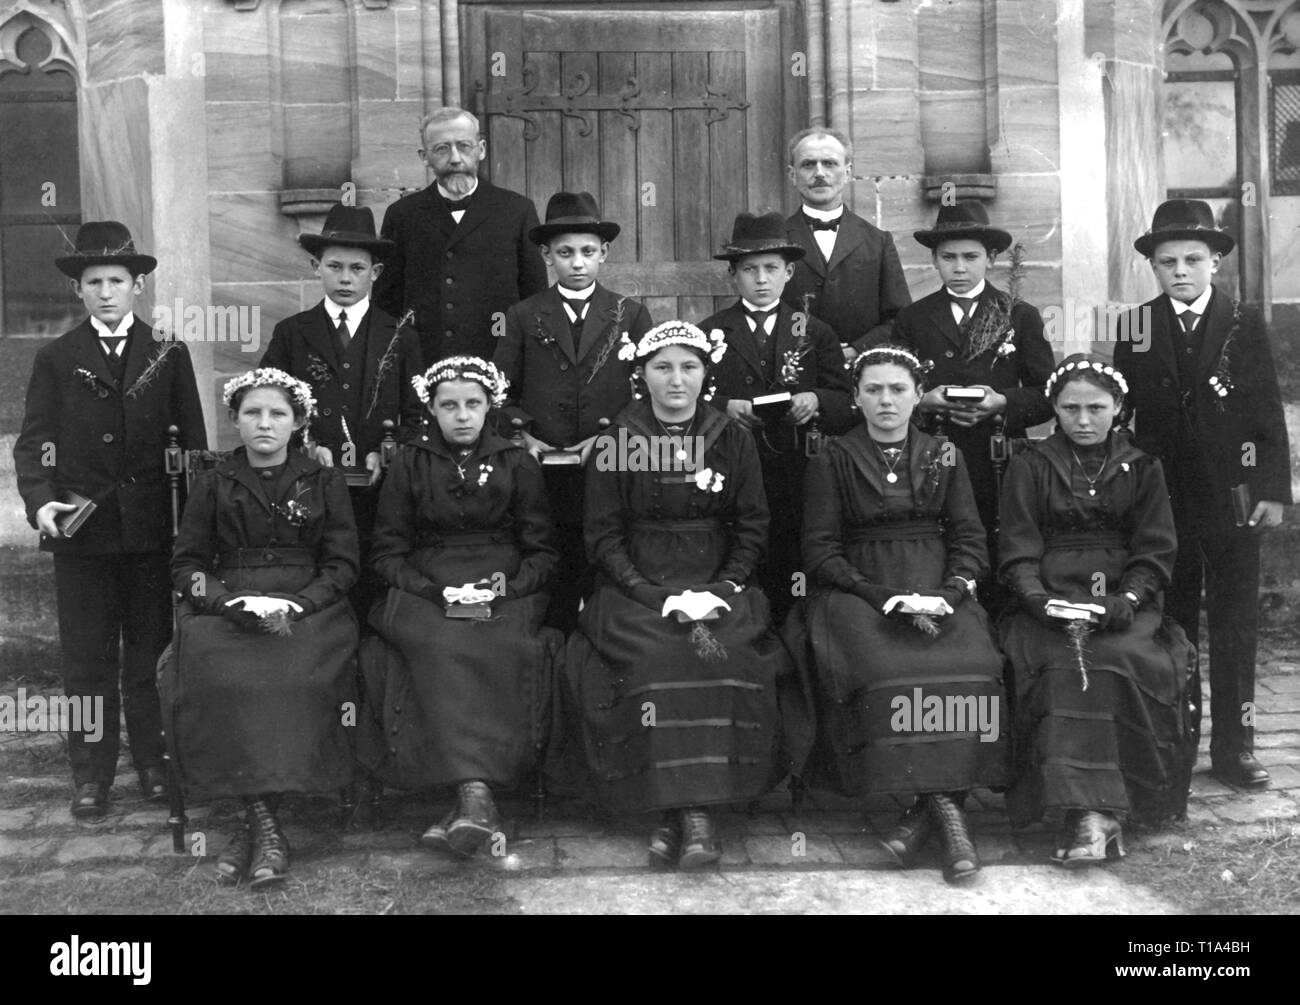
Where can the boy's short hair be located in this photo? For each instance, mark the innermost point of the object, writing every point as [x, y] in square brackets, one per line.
[135, 273]
[789, 257]
[834, 134]
[547, 241]
[989, 243]
[324, 250]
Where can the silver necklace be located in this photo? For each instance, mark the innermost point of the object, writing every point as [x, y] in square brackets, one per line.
[1092, 482]
[898, 456]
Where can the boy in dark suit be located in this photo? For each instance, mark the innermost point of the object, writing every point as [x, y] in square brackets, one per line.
[463, 255]
[776, 349]
[850, 274]
[560, 354]
[1206, 402]
[98, 406]
[359, 363]
[976, 336]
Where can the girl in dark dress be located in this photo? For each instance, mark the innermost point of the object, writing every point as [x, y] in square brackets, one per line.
[463, 538]
[1101, 725]
[897, 652]
[263, 664]
[675, 710]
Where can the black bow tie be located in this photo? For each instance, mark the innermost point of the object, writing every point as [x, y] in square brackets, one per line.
[456, 205]
[815, 224]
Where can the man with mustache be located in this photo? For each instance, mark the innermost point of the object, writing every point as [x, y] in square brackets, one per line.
[850, 272]
[463, 255]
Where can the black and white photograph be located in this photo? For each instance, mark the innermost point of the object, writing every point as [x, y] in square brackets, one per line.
[699, 457]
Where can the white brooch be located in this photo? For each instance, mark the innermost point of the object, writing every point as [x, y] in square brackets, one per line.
[483, 471]
[707, 480]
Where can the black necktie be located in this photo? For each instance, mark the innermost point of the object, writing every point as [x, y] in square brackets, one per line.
[456, 205]
[111, 344]
[1188, 320]
[967, 305]
[341, 334]
[579, 307]
[760, 326]
[815, 224]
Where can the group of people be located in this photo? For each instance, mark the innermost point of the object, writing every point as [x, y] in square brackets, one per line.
[667, 565]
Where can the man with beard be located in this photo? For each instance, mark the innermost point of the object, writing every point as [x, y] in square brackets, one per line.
[463, 255]
[850, 276]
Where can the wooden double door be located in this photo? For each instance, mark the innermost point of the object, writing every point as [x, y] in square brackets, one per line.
[675, 116]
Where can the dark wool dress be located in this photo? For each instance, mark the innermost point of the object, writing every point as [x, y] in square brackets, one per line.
[660, 726]
[1121, 745]
[866, 673]
[245, 712]
[450, 699]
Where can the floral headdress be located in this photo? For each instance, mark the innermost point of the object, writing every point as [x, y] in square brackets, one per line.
[462, 368]
[713, 345]
[890, 354]
[1079, 363]
[269, 376]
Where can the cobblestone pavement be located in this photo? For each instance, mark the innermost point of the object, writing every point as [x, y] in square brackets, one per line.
[827, 860]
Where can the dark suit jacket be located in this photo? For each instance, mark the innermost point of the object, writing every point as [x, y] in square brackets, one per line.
[740, 373]
[562, 395]
[459, 277]
[928, 329]
[85, 432]
[303, 346]
[859, 290]
[1200, 437]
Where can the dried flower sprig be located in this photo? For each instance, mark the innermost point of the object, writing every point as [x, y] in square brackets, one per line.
[150, 373]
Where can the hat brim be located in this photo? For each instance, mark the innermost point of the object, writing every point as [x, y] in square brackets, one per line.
[315, 244]
[995, 239]
[734, 252]
[73, 266]
[1216, 239]
[544, 232]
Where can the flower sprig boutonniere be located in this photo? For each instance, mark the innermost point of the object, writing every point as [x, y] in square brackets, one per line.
[318, 371]
[991, 327]
[484, 472]
[932, 462]
[792, 359]
[708, 480]
[615, 332]
[294, 512]
[386, 362]
[167, 343]
[1221, 380]
[91, 381]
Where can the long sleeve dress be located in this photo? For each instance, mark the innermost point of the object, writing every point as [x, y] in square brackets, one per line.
[246, 712]
[452, 699]
[876, 680]
[660, 725]
[1127, 743]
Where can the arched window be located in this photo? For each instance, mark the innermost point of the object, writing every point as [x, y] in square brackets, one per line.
[40, 182]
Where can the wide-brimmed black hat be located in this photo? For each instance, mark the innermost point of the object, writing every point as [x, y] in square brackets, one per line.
[347, 227]
[966, 219]
[104, 242]
[1184, 220]
[573, 213]
[759, 235]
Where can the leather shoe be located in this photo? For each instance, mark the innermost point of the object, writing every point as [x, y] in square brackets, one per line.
[960, 859]
[91, 801]
[666, 841]
[1241, 770]
[435, 838]
[909, 835]
[476, 819]
[153, 784]
[700, 845]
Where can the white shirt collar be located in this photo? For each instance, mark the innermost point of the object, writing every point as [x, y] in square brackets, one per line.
[976, 293]
[103, 331]
[824, 214]
[569, 294]
[355, 312]
[1198, 305]
[774, 306]
[456, 198]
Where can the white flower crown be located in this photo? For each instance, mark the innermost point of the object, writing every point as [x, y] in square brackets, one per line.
[269, 376]
[462, 368]
[885, 353]
[714, 344]
[1087, 364]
